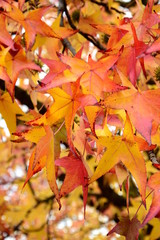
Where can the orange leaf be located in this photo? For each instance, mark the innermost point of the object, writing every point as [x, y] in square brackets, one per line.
[5, 37]
[91, 112]
[93, 74]
[54, 77]
[142, 107]
[32, 24]
[14, 65]
[43, 156]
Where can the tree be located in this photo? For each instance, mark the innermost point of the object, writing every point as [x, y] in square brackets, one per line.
[80, 95]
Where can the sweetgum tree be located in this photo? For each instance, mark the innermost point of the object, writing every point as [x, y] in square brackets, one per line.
[80, 95]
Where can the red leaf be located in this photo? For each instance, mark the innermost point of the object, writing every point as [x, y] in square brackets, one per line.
[54, 77]
[140, 46]
[76, 174]
[153, 183]
[128, 228]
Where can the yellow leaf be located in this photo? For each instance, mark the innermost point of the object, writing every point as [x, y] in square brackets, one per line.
[34, 134]
[58, 110]
[125, 149]
[8, 109]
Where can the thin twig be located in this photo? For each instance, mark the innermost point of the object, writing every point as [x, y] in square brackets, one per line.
[59, 128]
[85, 35]
[66, 43]
[39, 201]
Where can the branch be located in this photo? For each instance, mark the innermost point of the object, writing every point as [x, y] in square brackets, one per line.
[39, 201]
[105, 5]
[66, 43]
[90, 38]
[112, 197]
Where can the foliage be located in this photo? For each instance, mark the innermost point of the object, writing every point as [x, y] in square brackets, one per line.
[80, 95]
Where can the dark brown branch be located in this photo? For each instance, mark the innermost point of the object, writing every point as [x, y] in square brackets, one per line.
[85, 35]
[105, 5]
[121, 3]
[39, 201]
[66, 43]
[110, 195]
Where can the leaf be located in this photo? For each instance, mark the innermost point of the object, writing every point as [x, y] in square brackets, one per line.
[76, 175]
[128, 228]
[43, 156]
[142, 107]
[115, 33]
[150, 18]
[129, 70]
[63, 32]
[32, 24]
[14, 65]
[139, 46]
[50, 165]
[93, 74]
[54, 77]
[8, 109]
[153, 183]
[106, 28]
[80, 138]
[121, 173]
[143, 145]
[155, 46]
[91, 112]
[4, 76]
[33, 135]
[124, 149]
[155, 234]
[5, 37]
[65, 106]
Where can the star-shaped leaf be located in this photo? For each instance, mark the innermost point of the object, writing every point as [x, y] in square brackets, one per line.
[42, 155]
[142, 107]
[65, 106]
[14, 65]
[76, 175]
[128, 228]
[32, 24]
[124, 149]
[8, 109]
[93, 74]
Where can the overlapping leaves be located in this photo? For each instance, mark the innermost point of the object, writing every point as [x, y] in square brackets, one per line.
[86, 93]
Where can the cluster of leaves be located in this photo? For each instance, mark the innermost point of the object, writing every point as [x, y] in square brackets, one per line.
[94, 92]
